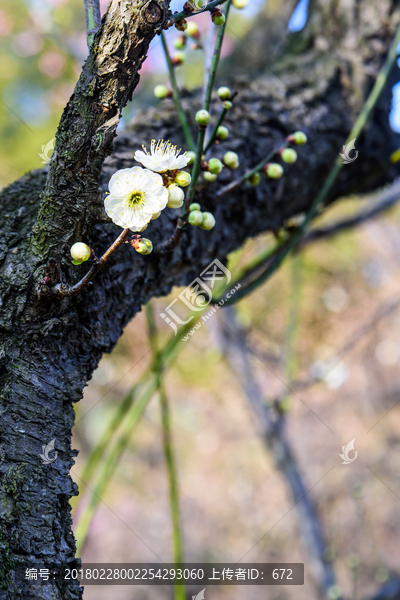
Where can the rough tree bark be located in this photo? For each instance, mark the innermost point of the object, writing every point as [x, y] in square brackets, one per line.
[49, 349]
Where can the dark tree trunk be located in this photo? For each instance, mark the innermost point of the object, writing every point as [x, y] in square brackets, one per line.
[49, 349]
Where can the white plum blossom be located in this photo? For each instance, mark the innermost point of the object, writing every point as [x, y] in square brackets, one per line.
[136, 194]
[163, 157]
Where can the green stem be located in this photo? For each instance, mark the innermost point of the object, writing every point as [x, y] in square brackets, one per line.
[93, 19]
[168, 452]
[124, 421]
[215, 130]
[109, 464]
[206, 106]
[215, 58]
[196, 167]
[176, 96]
[292, 329]
[337, 167]
[210, 6]
[238, 182]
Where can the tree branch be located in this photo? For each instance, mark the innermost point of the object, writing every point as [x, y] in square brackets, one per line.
[92, 18]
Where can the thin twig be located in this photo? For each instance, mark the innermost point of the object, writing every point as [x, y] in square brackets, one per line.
[176, 96]
[208, 54]
[206, 106]
[92, 18]
[389, 199]
[215, 58]
[210, 6]
[265, 259]
[272, 427]
[107, 453]
[326, 188]
[168, 450]
[61, 289]
[238, 182]
[215, 130]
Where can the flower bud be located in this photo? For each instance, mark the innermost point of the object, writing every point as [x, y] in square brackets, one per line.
[195, 217]
[192, 30]
[224, 93]
[144, 246]
[181, 25]
[289, 155]
[227, 104]
[208, 221]
[191, 156]
[175, 196]
[203, 117]
[218, 18]
[299, 138]
[210, 177]
[194, 206]
[273, 170]
[80, 252]
[222, 132]
[215, 166]
[231, 160]
[155, 216]
[178, 58]
[161, 91]
[183, 179]
[254, 179]
[240, 3]
[180, 42]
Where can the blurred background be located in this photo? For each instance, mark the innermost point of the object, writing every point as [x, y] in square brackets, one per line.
[322, 344]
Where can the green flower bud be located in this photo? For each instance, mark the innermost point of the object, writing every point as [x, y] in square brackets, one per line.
[231, 160]
[218, 18]
[289, 155]
[227, 104]
[273, 170]
[175, 196]
[240, 3]
[191, 156]
[222, 132]
[80, 252]
[180, 42]
[215, 166]
[299, 138]
[224, 93]
[195, 217]
[181, 25]
[183, 179]
[203, 117]
[144, 246]
[208, 221]
[210, 177]
[254, 179]
[155, 216]
[161, 91]
[194, 206]
[178, 58]
[192, 30]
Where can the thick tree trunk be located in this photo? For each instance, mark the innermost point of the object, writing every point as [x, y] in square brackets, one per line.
[49, 349]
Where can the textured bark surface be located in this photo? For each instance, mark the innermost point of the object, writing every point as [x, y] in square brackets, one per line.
[49, 349]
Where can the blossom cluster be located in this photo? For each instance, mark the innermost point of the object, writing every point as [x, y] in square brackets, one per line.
[137, 195]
